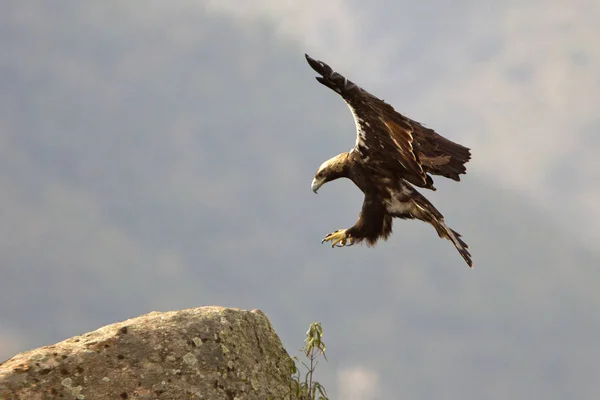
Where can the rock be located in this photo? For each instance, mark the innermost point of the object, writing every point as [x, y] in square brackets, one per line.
[201, 353]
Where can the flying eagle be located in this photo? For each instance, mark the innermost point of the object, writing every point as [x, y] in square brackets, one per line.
[391, 154]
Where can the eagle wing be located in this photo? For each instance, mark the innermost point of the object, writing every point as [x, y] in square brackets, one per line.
[387, 141]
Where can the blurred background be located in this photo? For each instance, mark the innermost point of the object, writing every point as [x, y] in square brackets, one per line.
[158, 156]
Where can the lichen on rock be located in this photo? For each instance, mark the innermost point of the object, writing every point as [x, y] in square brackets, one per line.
[205, 353]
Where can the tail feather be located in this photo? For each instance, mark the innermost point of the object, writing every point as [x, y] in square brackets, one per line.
[441, 156]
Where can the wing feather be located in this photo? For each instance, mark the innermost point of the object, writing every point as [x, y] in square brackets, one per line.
[403, 141]
[384, 140]
[390, 143]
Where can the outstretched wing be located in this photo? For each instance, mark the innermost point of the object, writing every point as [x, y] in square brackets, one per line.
[384, 142]
[407, 203]
[388, 141]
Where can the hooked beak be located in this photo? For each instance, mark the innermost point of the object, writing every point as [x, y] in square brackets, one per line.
[316, 184]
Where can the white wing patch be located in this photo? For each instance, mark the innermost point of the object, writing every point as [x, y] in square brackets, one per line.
[360, 133]
[395, 206]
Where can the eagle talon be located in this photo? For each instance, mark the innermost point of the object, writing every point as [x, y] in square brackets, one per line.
[338, 238]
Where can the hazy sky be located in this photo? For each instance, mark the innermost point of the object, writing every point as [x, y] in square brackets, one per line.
[158, 155]
[516, 80]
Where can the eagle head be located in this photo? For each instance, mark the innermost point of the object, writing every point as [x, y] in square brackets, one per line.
[334, 168]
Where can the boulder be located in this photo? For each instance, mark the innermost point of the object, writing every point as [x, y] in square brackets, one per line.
[202, 353]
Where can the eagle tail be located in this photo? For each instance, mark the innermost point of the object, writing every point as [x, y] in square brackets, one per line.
[441, 156]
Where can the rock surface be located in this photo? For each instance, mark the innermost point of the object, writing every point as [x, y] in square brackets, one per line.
[201, 353]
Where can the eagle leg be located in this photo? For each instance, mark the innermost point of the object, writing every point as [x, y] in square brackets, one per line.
[339, 238]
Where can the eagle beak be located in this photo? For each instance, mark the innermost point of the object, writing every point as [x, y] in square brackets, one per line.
[315, 185]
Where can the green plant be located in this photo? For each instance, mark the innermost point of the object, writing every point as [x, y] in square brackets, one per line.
[314, 347]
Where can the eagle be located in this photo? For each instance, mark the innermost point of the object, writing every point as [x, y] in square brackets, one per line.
[391, 156]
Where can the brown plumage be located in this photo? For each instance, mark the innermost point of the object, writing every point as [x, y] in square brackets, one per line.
[392, 153]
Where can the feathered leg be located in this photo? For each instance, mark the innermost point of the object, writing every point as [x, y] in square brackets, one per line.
[373, 223]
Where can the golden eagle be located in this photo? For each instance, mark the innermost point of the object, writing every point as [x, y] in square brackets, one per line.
[391, 153]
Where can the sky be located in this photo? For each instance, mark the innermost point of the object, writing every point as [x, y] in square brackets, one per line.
[517, 80]
[158, 156]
